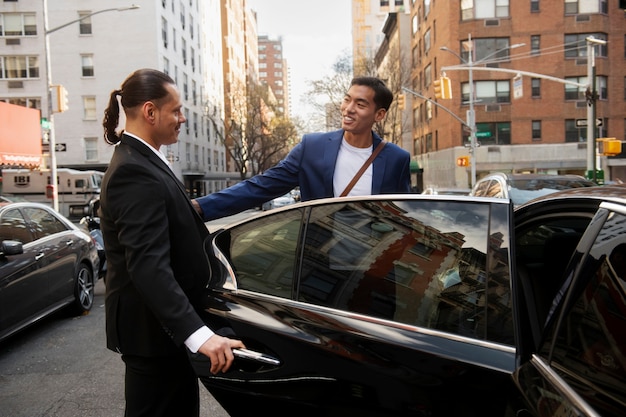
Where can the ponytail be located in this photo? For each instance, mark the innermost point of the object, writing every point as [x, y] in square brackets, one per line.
[112, 118]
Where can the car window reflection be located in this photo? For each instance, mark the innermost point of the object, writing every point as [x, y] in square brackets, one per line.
[263, 253]
[13, 227]
[420, 263]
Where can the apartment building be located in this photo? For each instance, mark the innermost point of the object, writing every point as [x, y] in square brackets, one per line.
[273, 71]
[92, 48]
[531, 107]
[368, 19]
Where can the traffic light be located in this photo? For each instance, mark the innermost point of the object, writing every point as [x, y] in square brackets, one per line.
[401, 103]
[443, 88]
[59, 99]
[609, 146]
[462, 161]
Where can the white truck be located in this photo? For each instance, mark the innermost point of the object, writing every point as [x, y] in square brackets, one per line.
[76, 189]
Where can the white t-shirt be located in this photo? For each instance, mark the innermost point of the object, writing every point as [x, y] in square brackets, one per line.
[349, 161]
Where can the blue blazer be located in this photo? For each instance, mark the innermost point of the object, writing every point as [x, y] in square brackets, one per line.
[310, 165]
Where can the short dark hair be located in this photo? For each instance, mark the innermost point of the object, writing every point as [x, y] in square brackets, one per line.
[140, 86]
[382, 94]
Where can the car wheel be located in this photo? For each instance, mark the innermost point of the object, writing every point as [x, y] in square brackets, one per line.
[83, 290]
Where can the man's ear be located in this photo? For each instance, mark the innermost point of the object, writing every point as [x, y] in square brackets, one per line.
[380, 114]
[149, 111]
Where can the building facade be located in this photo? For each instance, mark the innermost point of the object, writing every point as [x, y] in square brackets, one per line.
[274, 72]
[93, 54]
[531, 122]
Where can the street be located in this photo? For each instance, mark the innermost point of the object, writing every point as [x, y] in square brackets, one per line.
[60, 367]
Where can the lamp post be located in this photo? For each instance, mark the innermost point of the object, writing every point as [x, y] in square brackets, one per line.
[592, 97]
[51, 135]
[471, 117]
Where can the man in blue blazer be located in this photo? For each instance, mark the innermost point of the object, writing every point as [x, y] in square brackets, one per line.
[323, 164]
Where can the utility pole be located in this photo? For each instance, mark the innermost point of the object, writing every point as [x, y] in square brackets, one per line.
[592, 98]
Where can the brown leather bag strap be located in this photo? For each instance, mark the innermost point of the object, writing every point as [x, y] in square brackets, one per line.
[367, 163]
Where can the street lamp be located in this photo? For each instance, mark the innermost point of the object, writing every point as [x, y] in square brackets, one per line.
[51, 135]
[471, 117]
[592, 97]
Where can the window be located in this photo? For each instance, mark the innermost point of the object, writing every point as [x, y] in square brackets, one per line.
[535, 87]
[535, 44]
[534, 5]
[585, 6]
[487, 49]
[427, 42]
[43, 223]
[18, 24]
[13, 227]
[419, 263]
[536, 130]
[84, 25]
[428, 75]
[89, 108]
[91, 149]
[16, 67]
[87, 65]
[491, 133]
[576, 45]
[484, 9]
[488, 92]
[574, 133]
[574, 92]
[589, 340]
[164, 32]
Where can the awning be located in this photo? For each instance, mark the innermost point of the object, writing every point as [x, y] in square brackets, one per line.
[20, 136]
[414, 166]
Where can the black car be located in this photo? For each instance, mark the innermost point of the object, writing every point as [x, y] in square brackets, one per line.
[46, 263]
[414, 305]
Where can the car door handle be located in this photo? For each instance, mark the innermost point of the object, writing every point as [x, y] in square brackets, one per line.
[69, 242]
[256, 356]
[39, 256]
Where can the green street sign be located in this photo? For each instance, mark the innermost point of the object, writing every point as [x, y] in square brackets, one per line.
[45, 124]
[483, 134]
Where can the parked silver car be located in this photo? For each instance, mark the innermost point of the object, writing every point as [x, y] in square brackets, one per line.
[521, 188]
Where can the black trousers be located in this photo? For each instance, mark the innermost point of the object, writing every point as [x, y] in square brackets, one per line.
[161, 387]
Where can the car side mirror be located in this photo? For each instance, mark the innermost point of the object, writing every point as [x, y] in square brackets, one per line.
[11, 247]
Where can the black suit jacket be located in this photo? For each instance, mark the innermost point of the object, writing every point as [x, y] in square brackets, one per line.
[154, 248]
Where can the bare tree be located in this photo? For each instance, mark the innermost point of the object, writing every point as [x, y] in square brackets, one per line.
[257, 136]
[325, 95]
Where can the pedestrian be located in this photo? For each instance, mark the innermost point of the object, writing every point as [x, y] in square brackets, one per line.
[157, 268]
[327, 164]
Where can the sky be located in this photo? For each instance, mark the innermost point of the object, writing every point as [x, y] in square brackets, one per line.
[314, 34]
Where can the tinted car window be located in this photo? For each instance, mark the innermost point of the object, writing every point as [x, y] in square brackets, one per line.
[263, 253]
[13, 227]
[44, 223]
[429, 264]
[590, 348]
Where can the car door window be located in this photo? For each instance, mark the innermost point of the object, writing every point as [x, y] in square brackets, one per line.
[440, 265]
[44, 223]
[13, 227]
[263, 253]
[589, 351]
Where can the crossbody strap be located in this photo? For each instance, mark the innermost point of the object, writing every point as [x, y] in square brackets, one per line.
[366, 164]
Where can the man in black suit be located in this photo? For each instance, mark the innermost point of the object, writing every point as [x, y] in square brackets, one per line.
[154, 248]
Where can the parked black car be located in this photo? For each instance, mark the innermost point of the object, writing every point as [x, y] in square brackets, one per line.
[46, 263]
[418, 305]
